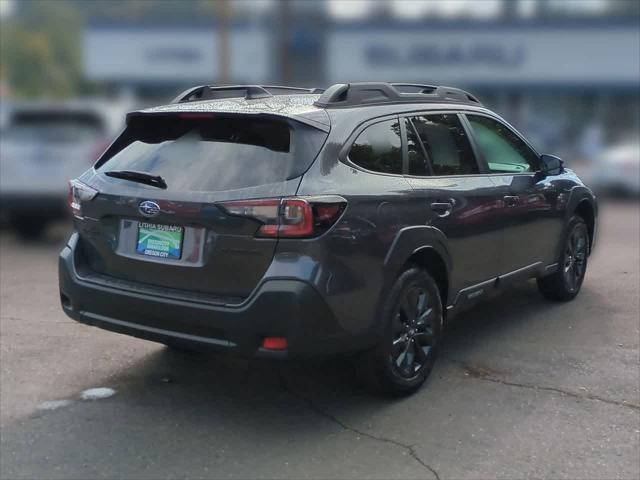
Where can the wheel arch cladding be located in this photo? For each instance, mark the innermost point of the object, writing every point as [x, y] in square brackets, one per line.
[585, 210]
[424, 246]
[431, 261]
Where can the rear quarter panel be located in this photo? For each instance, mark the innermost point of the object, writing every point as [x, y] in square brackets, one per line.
[348, 262]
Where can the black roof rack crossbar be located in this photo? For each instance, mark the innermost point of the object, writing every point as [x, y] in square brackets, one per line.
[379, 93]
[248, 92]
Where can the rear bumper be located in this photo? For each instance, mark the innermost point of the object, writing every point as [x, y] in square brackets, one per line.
[280, 307]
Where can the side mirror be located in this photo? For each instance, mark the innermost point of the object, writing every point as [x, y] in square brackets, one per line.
[550, 165]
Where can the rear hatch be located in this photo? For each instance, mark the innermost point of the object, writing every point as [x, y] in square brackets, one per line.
[175, 234]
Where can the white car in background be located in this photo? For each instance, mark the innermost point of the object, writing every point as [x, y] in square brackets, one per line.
[42, 146]
[618, 169]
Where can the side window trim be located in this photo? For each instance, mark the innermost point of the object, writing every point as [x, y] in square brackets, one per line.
[422, 147]
[483, 166]
[404, 146]
[504, 124]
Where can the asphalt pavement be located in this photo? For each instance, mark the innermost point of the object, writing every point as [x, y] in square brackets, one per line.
[525, 388]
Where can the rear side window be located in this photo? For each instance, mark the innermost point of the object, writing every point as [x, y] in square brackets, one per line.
[379, 148]
[195, 153]
[503, 150]
[446, 144]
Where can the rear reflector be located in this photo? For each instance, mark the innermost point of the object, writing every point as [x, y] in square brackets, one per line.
[289, 217]
[275, 343]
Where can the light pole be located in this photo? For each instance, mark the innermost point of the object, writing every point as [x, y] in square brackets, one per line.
[224, 16]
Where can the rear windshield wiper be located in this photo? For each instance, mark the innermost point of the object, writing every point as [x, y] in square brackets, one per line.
[140, 177]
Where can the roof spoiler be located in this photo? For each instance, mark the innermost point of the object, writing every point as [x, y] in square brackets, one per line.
[248, 92]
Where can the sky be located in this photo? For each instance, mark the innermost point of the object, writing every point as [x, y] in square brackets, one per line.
[473, 8]
[412, 8]
[406, 9]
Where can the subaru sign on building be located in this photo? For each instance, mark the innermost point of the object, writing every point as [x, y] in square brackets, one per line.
[552, 54]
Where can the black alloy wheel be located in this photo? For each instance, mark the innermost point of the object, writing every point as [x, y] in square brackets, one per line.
[565, 283]
[413, 331]
[411, 328]
[575, 259]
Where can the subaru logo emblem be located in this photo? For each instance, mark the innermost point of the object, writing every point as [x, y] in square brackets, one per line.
[149, 208]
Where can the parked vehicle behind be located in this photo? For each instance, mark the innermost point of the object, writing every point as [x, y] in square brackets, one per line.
[617, 170]
[41, 147]
[281, 222]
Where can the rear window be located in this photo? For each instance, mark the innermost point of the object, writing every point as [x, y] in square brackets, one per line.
[196, 153]
[54, 126]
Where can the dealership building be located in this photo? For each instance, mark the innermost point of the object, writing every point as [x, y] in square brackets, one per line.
[552, 79]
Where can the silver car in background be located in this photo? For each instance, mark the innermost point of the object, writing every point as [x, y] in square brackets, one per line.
[42, 146]
[618, 170]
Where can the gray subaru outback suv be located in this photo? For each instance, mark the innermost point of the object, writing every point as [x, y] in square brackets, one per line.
[285, 222]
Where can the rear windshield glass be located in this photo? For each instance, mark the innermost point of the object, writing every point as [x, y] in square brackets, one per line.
[54, 126]
[215, 153]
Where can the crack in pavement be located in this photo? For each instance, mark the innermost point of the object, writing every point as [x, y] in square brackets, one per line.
[485, 374]
[410, 449]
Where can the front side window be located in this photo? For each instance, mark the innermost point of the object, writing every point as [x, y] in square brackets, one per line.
[379, 148]
[446, 144]
[502, 149]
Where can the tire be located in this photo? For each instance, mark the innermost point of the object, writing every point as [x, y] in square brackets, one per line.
[564, 284]
[29, 228]
[413, 320]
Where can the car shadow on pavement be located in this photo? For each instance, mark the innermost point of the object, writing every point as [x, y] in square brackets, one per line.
[204, 380]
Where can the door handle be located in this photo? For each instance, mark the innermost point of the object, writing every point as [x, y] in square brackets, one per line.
[442, 208]
[511, 201]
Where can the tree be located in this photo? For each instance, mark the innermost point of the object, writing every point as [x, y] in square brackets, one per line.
[40, 49]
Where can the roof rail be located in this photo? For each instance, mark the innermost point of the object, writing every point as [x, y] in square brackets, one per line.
[249, 92]
[379, 93]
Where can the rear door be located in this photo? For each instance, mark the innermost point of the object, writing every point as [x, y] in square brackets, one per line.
[531, 217]
[182, 237]
[451, 194]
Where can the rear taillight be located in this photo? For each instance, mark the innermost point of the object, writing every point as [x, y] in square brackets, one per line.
[78, 193]
[296, 218]
[289, 217]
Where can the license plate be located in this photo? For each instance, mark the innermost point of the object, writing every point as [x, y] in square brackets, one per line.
[161, 241]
